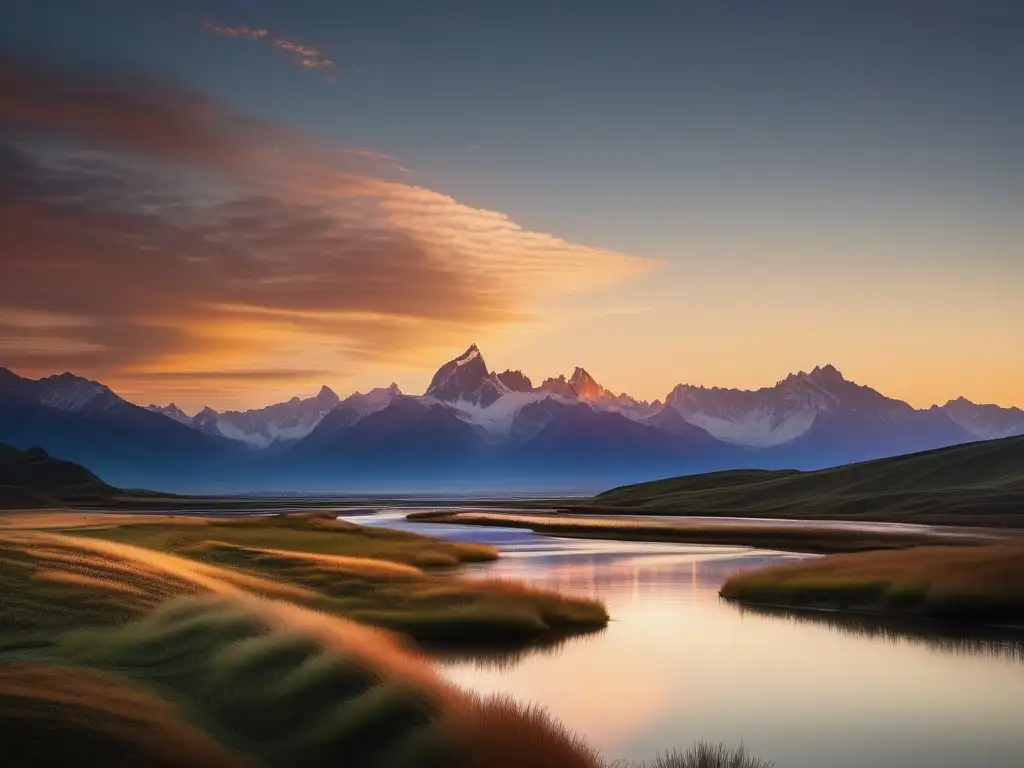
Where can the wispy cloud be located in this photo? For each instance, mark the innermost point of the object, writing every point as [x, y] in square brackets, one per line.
[237, 244]
[305, 56]
[249, 33]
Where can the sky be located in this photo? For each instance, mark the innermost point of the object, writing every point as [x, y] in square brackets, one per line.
[231, 202]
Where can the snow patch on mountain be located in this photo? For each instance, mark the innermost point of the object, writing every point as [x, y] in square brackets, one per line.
[68, 392]
[495, 419]
[376, 399]
[171, 411]
[985, 422]
[774, 415]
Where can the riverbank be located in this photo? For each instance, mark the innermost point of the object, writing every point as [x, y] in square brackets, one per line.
[962, 584]
[782, 537]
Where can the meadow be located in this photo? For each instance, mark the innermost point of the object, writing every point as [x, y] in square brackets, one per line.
[164, 641]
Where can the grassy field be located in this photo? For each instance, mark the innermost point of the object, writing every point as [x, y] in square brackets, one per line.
[790, 538]
[978, 484]
[976, 584]
[240, 681]
[106, 569]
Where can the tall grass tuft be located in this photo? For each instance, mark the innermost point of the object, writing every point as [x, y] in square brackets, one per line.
[499, 732]
[703, 755]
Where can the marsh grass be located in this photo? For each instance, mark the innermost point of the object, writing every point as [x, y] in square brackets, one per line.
[57, 581]
[235, 680]
[58, 715]
[309, 533]
[284, 685]
[289, 686]
[703, 755]
[499, 732]
[948, 583]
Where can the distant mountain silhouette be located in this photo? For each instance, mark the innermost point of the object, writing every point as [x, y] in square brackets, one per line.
[474, 424]
[82, 421]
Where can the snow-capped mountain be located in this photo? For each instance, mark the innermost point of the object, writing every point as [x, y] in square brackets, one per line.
[67, 392]
[985, 422]
[171, 411]
[516, 381]
[466, 379]
[793, 408]
[475, 424]
[581, 386]
[259, 428]
[375, 400]
[83, 421]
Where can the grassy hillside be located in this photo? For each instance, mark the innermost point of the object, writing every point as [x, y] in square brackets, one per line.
[974, 484]
[33, 478]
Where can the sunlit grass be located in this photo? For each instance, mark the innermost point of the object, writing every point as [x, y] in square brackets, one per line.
[291, 686]
[59, 580]
[957, 583]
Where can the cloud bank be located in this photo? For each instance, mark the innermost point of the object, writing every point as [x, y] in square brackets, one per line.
[153, 234]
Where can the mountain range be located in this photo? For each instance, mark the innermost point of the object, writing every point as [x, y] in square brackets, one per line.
[476, 428]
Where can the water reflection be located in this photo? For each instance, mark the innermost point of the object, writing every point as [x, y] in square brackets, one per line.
[677, 663]
[1007, 643]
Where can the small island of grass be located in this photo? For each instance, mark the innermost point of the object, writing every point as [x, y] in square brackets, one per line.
[968, 584]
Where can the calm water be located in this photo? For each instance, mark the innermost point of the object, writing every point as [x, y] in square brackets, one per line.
[677, 664]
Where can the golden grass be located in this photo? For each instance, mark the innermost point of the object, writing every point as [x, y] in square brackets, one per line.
[969, 583]
[56, 715]
[83, 580]
[499, 732]
[37, 520]
[282, 684]
[362, 566]
[381, 651]
[299, 687]
[64, 580]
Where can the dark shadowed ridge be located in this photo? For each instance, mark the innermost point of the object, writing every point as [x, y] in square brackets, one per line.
[33, 478]
[973, 484]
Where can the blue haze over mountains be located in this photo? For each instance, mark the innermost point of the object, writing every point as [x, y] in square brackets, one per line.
[478, 430]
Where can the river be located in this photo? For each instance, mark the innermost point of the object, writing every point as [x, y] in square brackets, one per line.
[677, 664]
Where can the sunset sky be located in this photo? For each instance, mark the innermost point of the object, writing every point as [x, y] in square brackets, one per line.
[232, 202]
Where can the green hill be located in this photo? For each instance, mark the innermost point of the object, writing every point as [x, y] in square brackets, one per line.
[34, 478]
[973, 484]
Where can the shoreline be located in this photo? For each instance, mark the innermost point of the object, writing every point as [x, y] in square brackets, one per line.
[790, 537]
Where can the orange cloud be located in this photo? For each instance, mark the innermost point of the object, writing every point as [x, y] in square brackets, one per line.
[239, 246]
[306, 56]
